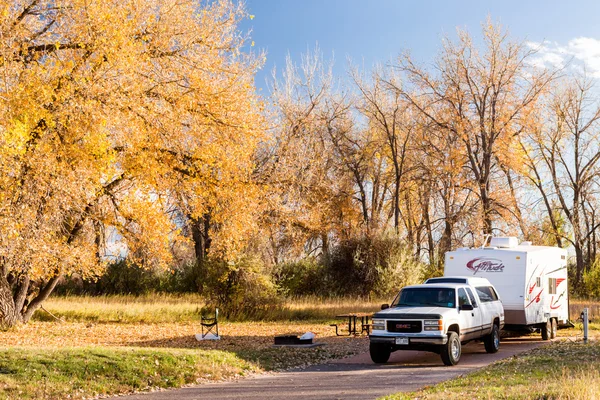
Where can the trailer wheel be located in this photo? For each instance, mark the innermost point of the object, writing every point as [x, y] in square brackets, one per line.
[546, 330]
[451, 351]
[553, 328]
[492, 341]
[380, 353]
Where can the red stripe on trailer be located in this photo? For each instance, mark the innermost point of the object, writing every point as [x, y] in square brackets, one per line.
[535, 299]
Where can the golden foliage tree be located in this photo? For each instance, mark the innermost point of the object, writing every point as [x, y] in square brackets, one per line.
[564, 166]
[485, 99]
[111, 113]
[310, 190]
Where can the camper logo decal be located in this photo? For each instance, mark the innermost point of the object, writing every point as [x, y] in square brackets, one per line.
[485, 264]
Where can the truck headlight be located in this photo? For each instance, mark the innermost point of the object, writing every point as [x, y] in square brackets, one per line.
[379, 324]
[433, 325]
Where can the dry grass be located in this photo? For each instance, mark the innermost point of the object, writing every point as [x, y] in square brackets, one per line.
[576, 306]
[560, 370]
[143, 309]
[161, 308]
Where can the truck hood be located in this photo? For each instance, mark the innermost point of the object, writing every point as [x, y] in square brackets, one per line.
[414, 312]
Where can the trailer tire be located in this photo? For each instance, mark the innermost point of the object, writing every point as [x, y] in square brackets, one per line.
[553, 328]
[380, 353]
[492, 341]
[452, 350]
[546, 330]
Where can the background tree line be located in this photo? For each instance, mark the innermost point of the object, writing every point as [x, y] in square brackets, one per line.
[133, 137]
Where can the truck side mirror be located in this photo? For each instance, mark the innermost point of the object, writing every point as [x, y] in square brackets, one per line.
[466, 307]
[385, 306]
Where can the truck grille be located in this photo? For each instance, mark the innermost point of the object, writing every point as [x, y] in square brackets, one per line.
[404, 326]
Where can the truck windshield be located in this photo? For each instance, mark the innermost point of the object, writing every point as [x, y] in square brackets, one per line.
[419, 297]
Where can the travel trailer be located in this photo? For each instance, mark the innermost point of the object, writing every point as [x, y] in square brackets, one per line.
[531, 281]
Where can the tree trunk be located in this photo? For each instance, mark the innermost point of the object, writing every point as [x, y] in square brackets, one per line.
[8, 313]
[433, 262]
[325, 248]
[201, 235]
[486, 204]
[579, 263]
[396, 204]
[42, 296]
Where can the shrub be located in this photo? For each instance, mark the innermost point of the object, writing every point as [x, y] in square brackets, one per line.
[124, 277]
[241, 290]
[591, 280]
[372, 266]
[121, 277]
[301, 278]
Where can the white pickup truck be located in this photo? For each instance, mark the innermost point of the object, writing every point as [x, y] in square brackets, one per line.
[439, 316]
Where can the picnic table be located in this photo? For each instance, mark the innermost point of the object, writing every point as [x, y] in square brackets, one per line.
[353, 327]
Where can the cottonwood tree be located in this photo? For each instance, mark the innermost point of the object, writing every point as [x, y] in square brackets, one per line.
[440, 168]
[482, 97]
[565, 152]
[310, 190]
[108, 110]
[391, 121]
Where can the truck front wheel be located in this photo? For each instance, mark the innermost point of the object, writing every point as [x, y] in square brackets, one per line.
[380, 353]
[451, 351]
[492, 341]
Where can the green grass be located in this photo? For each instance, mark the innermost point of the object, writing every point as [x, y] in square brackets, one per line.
[565, 370]
[85, 372]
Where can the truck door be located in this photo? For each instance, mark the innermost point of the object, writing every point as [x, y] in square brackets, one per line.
[470, 320]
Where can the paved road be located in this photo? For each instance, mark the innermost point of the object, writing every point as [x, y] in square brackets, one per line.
[351, 378]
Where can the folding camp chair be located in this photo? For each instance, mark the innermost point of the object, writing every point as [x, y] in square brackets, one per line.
[210, 325]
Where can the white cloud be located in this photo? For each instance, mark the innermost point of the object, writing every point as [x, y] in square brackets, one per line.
[581, 53]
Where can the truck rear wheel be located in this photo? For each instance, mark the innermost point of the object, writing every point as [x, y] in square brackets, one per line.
[451, 351]
[553, 328]
[546, 330]
[380, 353]
[492, 341]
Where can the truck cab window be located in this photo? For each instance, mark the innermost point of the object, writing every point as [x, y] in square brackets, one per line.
[471, 297]
[462, 297]
[486, 294]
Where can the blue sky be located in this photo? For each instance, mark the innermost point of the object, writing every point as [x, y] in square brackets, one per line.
[377, 31]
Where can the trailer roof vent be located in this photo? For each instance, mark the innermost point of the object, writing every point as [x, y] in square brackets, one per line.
[505, 242]
[525, 244]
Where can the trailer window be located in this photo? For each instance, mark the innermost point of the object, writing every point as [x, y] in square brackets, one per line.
[538, 281]
[552, 286]
[486, 294]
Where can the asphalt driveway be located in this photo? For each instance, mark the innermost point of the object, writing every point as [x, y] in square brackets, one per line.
[351, 378]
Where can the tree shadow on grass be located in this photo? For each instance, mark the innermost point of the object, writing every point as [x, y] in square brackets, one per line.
[259, 350]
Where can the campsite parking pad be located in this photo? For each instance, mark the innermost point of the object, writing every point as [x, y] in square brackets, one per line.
[352, 378]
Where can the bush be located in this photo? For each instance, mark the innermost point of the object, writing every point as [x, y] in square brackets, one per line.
[121, 277]
[241, 290]
[591, 280]
[301, 278]
[124, 277]
[372, 266]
